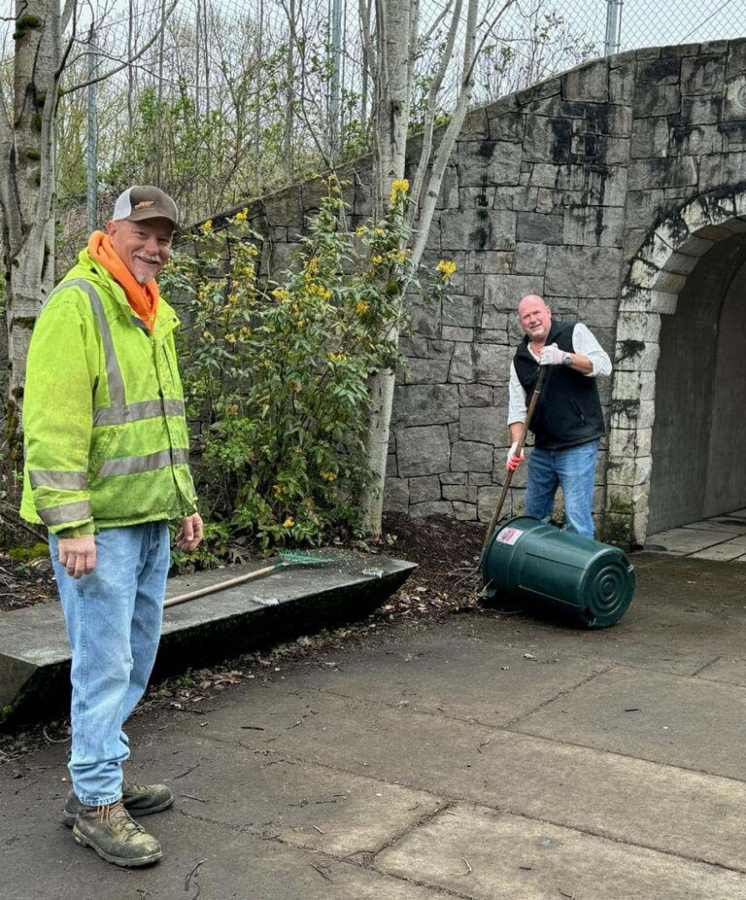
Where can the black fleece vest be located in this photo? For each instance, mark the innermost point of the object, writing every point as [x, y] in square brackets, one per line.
[569, 411]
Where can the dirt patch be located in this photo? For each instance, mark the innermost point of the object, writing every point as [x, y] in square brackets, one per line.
[440, 545]
[447, 553]
[25, 583]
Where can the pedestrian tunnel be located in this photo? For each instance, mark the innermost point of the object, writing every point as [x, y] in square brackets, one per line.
[698, 442]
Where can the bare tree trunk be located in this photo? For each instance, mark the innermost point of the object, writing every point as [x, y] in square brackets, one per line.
[258, 90]
[130, 71]
[197, 59]
[392, 115]
[368, 61]
[289, 96]
[391, 118]
[435, 180]
[396, 46]
[208, 100]
[27, 184]
[159, 102]
[28, 181]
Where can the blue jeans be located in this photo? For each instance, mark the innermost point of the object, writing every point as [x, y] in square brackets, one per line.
[572, 469]
[113, 619]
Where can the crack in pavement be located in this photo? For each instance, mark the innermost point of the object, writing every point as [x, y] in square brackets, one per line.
[453, 799]
[346, 860]
[563, 692]
[706, 666]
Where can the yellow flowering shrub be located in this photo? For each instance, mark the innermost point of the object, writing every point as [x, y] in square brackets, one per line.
[276, 374]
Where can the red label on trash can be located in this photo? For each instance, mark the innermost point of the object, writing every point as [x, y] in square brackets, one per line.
[509, 535]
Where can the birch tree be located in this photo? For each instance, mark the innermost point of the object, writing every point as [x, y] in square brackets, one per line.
[27, 182]
[27, 172]
[391, 44]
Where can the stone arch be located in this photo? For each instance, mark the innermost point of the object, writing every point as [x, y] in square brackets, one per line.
[656, 276]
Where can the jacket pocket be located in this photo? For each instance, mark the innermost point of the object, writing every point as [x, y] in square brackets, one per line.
[100, 446]
[578, 410]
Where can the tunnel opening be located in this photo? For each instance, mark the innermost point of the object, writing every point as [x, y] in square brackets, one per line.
[699, 433]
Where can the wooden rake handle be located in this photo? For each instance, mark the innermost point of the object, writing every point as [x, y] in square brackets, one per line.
[519, 449]
[221, 585]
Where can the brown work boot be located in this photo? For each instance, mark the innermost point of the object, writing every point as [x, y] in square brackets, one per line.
[139, 800]
[115, 836]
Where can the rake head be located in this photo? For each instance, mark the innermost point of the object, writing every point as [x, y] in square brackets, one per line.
[297, 558]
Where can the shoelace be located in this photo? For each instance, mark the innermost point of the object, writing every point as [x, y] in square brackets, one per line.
[114, 814]
[136, 788]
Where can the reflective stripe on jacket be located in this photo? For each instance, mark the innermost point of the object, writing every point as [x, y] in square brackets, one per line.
[105, 434]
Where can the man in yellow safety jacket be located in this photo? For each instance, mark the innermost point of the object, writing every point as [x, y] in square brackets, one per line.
[106, 468]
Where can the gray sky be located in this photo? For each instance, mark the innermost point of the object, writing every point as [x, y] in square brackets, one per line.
[647, 23]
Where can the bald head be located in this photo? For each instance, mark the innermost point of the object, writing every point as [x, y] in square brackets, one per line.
[535, 318]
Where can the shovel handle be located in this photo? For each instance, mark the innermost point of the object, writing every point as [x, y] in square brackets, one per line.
[519, 449]
[220, 585]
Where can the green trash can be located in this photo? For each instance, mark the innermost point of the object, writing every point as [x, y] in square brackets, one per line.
[530, 561]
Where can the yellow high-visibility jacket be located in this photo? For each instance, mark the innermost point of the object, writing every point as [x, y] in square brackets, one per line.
[105, 434]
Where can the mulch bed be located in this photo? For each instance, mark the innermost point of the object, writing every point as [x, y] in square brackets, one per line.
[445, 549]
[447, 553]
[25, 584]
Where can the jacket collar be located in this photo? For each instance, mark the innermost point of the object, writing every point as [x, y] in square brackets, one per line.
[554, 329]
[165, 318]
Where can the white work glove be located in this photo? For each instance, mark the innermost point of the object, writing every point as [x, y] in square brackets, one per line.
[551, 356]
[513, 460]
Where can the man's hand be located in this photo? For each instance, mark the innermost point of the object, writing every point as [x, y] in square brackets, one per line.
[551, 356]
[77, 555]
[190, 534]
[513, 460]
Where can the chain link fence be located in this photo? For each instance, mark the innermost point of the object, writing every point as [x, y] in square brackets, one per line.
[221, 100]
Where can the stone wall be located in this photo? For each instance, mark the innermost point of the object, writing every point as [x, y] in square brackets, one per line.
[599, 190]
[687, 193]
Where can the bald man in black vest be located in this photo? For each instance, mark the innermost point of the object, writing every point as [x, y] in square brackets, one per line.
[567, 422]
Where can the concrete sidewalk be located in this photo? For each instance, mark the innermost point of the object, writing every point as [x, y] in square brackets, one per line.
[489, 757]
[719, 537]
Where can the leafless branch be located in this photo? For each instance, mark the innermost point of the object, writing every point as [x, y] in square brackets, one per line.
[366, 32]
[433, 28]
[67, 13]
[488, 31]
[451, 133]
[6, 131]
[18, 14]
[414, 28]
[300, 47]
[16, 521]
[427, 138]
[127, 62]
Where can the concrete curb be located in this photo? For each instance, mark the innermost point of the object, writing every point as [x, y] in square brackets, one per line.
[35, 654]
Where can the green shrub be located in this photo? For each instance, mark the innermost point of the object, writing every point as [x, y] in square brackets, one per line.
[277, 373]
